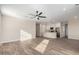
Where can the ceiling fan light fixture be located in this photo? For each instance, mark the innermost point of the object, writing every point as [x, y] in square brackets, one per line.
[36, 11]
[38, 15]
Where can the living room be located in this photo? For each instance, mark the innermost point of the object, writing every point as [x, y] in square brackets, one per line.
[39, 29]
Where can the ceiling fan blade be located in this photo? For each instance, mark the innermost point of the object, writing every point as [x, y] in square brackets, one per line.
[40, 13]
[31, 17]
[34, 17]
[42, 16]
[77, 4]
[32, 14]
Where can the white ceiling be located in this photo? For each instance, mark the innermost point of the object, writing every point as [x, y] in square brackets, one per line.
[53, 12]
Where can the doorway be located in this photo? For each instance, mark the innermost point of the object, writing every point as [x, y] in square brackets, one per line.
[66, 30]
[37, 29]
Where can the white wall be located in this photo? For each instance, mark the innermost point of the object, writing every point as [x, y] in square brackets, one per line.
[73, 29]
[42, 29]
[13, 28]
[0, 26]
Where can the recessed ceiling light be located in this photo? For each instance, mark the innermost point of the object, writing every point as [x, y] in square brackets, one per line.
[64, 9]
[75, 17]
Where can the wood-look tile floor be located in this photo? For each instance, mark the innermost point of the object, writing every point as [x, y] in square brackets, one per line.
[41, 46]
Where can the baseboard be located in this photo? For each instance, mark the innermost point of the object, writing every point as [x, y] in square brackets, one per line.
[73, 39]
[12, 41]
[8, 41]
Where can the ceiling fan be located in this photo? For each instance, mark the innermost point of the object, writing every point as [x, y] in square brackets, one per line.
[76, 4]
[38, 15]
